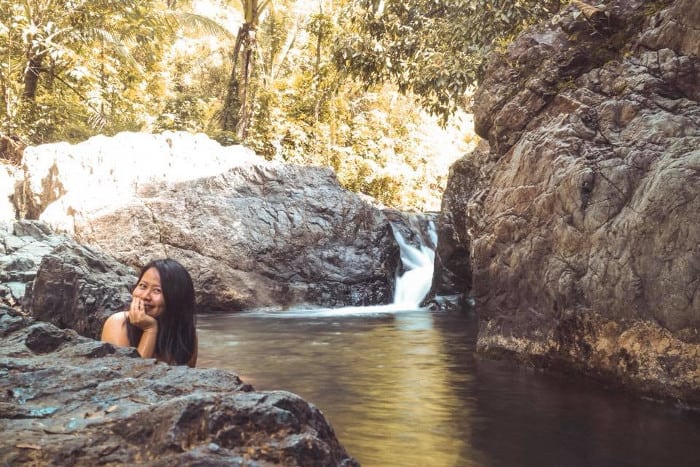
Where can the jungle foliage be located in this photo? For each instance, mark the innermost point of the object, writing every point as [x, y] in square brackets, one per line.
[433, 48]
[74, 68]
[309, 81]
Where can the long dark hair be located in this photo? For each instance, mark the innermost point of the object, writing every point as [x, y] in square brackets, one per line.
[176, 326]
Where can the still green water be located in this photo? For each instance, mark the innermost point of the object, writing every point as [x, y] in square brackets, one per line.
[406, 389]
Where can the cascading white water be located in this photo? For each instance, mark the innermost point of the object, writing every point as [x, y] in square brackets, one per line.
[414, 284]
[411, 287]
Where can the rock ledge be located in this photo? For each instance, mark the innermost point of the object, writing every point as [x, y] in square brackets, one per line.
[69, 400]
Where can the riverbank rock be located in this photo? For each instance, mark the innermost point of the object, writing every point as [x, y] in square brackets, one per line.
[59, 281]
[70, 400]
[23, 244]
[252, 233]
[581, 214]
[77, 287]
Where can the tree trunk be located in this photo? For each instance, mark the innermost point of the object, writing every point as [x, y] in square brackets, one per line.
[229, 112]
[4, 96]
[232, 102]
[244, 111]
[237, 108]
[317, 70]
[31, 78]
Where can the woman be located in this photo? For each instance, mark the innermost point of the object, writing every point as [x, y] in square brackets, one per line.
[160, 321]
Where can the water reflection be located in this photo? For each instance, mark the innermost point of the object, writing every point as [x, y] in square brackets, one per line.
[404, 389]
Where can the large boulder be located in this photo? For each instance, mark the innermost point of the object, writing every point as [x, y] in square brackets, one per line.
[23, 244]
[59, 281]
[8, 212]
[581, 214]
[252, 233]
[70, 400]
[77, 287]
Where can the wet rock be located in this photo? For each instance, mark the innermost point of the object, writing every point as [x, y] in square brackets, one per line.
[418, 229]
[252, 233]
[78, 404]
[10, 322]
[580, 215]
[452, 273]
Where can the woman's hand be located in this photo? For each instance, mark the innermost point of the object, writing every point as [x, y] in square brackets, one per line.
[138, 317]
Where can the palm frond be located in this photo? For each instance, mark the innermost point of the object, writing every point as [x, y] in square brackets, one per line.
[199, 24]
[101, 34]
[118, 48]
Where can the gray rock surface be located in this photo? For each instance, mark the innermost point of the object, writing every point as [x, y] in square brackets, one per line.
[252, 233]
[258, 236]
[581, 214]
[60, 281]
[23, 244]
[79, 288]
[70, 400]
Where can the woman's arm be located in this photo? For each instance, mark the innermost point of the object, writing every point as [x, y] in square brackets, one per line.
[147, 344]
[114, 329]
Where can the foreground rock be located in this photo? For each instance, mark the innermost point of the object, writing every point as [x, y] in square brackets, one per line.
[252, 233]
[69, 400]
[581, 214]
[60, 281]
[79, 288]
[23, 245]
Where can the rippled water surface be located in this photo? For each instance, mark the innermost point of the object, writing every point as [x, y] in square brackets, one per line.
[405, 389]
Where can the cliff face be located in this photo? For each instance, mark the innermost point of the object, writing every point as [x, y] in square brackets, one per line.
[580, 216]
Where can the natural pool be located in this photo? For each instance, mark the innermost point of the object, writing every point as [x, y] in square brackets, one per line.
[404, 388]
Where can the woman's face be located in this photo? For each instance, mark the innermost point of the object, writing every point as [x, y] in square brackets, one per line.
[148, 289]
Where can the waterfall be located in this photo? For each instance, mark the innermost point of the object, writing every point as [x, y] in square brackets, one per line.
[414, 284]
[410, 288]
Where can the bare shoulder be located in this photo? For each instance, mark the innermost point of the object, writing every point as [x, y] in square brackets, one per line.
[118, 317]
[114, 329]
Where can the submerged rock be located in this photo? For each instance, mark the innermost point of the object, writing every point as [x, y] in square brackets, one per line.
[70, 400]
[252, 233]
[580, 217]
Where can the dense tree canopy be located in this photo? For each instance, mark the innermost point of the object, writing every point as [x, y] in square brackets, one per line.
[272, 74]
[67, 64]
[433, 48]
